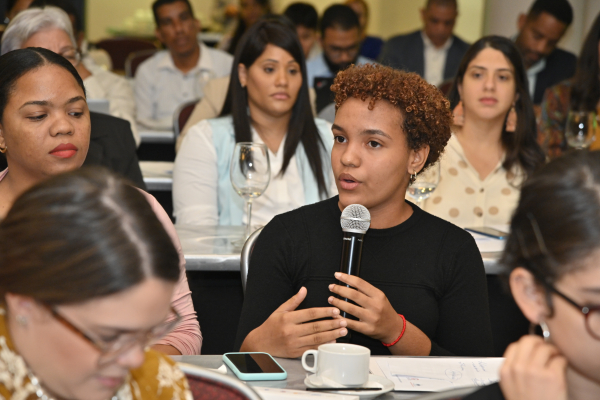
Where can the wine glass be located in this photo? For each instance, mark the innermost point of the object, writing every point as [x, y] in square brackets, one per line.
[250, 173]
[581, 129]
[425, 184]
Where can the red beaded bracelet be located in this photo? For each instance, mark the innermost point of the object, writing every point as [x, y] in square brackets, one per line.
[401, 333]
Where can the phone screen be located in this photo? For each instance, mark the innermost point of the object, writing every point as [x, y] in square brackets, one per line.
[254, 363]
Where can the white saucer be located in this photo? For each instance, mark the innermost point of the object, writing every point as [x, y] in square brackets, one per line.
[385, 384]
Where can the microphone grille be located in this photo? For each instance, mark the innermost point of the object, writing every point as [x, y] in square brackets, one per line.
[355, 218]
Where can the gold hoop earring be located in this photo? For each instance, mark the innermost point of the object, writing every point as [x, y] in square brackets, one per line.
[3, 149]
[413, 176]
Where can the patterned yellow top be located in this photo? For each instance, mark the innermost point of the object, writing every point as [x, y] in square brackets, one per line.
[158, 377]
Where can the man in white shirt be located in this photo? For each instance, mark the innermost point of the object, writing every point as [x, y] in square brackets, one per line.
[433, 52]
[177, 75]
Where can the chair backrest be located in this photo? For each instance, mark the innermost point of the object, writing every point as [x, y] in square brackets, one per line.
[206, 384]
[133, 61]
[181, 115]
[120, 48]
[245, 256]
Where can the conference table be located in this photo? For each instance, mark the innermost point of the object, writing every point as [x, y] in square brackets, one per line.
[158, 175]
[165, 136]
[295, 379]
[217, 248]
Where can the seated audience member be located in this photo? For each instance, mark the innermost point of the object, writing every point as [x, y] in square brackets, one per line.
[213, 102]
[433, 52]
[87, 274]
[250, 11]
[553, 260]
[51, 28]
[45, 130]
[305, 19]
[112, 143]
[371, 45]
[340, 40]
[493, 147]
[388, 125]
[270, 105]
[177, 75]
[539, 33]
[581, 93]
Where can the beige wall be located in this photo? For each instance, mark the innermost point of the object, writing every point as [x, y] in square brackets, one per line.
[104, 14]
[388, 17]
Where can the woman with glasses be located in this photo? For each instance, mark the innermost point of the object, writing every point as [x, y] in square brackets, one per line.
[44, 131]
[87, 274]
[553, 256]
[51, 28]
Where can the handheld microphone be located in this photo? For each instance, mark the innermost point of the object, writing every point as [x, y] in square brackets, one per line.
[355, 222]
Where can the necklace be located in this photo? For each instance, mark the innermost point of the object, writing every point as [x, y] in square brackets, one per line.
[39, 392]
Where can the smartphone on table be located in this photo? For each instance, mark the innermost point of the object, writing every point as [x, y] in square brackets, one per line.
[254, 366]
[490, 232]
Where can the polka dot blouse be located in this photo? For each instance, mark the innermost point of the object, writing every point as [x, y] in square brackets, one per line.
[464, 199]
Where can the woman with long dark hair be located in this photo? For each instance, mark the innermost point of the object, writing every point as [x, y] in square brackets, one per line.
[581, 93]
[267, 102]
[493, 147]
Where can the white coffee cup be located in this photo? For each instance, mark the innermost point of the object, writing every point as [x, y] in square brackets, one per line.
[345, 364]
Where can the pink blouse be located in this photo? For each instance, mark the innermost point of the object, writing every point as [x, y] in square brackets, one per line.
[186, 337]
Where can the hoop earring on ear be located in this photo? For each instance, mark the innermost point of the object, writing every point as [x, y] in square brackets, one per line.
[459, 114]
[413, 176]
[511, 120]
[3, 149]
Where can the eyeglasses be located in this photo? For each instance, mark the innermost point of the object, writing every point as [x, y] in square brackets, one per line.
[591, 314]
[113, 348]
[336, 52]
[72, 55]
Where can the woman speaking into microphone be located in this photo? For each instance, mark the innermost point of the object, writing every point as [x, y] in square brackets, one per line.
[422, 287]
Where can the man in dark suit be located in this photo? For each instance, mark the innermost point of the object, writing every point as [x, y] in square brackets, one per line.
[434, 52]
[539, 33]
[112, 145]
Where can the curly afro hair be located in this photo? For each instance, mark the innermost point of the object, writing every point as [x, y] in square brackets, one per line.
[425, 111]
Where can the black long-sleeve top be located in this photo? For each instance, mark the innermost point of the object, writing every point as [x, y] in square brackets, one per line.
[430, 270]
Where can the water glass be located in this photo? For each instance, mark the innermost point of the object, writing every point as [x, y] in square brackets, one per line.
[425, 184]
[250, 173]
[581, 127]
